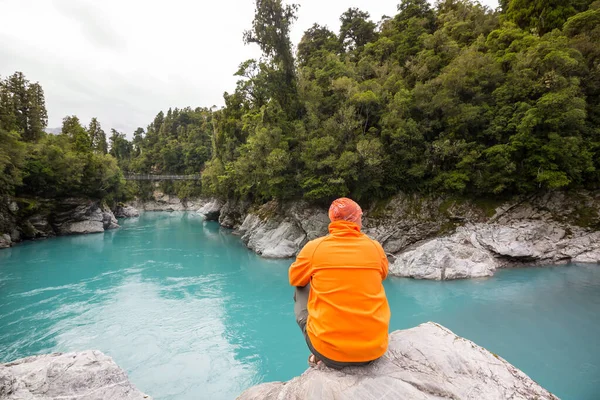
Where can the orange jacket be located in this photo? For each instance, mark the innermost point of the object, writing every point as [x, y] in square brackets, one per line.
[348, 312]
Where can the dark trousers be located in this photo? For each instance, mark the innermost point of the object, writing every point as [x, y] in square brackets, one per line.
[301, 311]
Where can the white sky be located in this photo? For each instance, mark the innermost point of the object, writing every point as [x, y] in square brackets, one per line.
[124, 60]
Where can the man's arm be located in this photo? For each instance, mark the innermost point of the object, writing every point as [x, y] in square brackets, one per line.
[301, 270]
[384, 261]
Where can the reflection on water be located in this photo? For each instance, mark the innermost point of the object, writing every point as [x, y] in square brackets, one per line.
[190, 313]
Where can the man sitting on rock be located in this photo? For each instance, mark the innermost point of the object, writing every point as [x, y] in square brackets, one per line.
[340, 302]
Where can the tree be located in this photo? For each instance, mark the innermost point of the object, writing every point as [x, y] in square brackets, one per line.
[317, 40]
[356, 30]
[77, 134]
[120, 148]
[97, 137]
[23, 107]
[540, 16]
[271, 31]
[37, 118]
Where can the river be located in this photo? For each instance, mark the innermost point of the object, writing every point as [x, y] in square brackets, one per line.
[190, 313]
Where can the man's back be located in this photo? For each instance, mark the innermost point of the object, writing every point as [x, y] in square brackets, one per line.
[348, 310]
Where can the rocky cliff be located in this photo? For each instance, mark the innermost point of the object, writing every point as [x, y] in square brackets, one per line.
[166, 202]
[427, 362]
[89, 375]
[436, 238]
[41, 218]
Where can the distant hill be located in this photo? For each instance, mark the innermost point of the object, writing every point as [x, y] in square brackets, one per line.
[54, 131]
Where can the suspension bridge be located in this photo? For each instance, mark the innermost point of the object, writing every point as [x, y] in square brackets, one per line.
[150, 177]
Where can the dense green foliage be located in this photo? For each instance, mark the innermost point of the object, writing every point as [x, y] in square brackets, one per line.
[458, 99]
[33, 163]
[455, 99]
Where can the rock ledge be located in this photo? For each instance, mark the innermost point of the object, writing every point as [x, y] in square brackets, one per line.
[89, 375]
[426, 362]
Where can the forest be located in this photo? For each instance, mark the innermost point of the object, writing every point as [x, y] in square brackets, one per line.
[455, 98]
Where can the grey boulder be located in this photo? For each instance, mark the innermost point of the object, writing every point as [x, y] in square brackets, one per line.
[445, 258]
[126, 211]
[89, 375]
[211, 210]
[5, 241]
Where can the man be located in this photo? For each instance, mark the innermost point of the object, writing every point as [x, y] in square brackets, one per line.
[340, 303]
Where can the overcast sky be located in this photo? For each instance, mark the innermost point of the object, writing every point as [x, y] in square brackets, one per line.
[124, 60]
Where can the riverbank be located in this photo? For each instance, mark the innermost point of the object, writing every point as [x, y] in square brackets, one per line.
[436, 238]
[39, 218]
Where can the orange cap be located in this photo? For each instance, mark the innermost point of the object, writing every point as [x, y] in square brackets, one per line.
[345, 209]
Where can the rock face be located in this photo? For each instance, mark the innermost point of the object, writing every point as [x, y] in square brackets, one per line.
[75, 216]
[5, 241]
[86, 375]
[477, 250]
[42, 218]
[437, 238]
[233, 213]
[280, 231]
[165, 202]
[426, 362]
[453, 257]
[211, 210]
[126, 211]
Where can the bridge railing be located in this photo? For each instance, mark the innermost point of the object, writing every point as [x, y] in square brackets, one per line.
[150, 177]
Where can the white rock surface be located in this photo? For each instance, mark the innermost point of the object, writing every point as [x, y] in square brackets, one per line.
[526, 240]
[5, 241]
[588, 257]
[447, 258]
[126, 211]
[477, 250]
[108, 219]
[272, 239]
[211, 210]
[166, 202]
[80, 227]
[426, 362]
[89, 375]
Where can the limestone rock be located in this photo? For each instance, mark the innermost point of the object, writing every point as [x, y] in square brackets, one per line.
[76, 216]
[452, 257]
[423, 363]
[87, 375]
[5, 241]
[313, 220]
[108, 219]
[592, 256]
[525, 240]
[126, 211]
[211, 210]
[233, 213]
[15, 235]
[166, 202]
[272, 238]
[38, 226]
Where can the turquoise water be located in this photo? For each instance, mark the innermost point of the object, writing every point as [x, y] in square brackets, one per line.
[190, 313]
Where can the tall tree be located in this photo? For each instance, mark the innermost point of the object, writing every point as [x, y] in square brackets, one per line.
[79, 137]
[356, 30]
[271, 31]
[97, 137]
[37, 118]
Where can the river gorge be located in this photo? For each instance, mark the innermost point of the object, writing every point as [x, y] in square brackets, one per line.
[189, 312]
